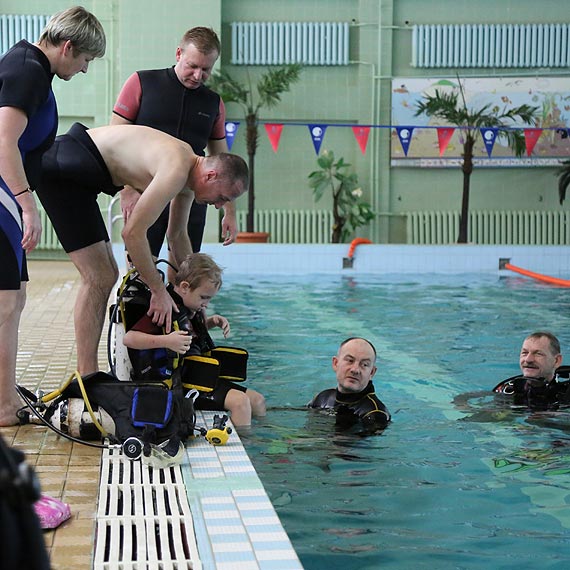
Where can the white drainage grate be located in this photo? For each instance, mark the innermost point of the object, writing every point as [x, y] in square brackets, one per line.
[143, 518]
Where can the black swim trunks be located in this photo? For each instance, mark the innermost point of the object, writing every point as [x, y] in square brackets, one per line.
[73, 175]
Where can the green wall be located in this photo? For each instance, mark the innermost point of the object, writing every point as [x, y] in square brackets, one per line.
[144, 34]
[494, 189]
[325, 94]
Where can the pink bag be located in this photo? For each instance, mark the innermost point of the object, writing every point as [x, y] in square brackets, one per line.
[51, 512]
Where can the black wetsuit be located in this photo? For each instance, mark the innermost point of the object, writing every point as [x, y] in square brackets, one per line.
[351, 408]
[535, 393]
[187, 114]
[25, 83]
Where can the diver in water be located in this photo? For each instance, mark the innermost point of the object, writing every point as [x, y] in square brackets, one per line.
[539, 387]
[354, 399]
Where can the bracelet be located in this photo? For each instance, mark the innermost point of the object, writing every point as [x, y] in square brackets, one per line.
[28, 189]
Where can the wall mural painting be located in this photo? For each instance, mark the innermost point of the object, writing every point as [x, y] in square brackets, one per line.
[425, 142]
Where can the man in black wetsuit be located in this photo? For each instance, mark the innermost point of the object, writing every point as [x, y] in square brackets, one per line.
[538, 386]
[354, 398]
[176, 101]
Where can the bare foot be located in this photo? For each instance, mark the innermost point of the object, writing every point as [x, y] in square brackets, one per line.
[8, 415]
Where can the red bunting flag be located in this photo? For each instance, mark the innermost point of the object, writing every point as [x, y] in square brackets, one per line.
[274, 133]
[361, 135]
[531, 137]
[444, 135]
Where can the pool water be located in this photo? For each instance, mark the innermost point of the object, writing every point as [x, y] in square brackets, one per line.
[453, 483]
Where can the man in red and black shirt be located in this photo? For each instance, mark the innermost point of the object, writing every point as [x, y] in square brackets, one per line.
[176, 101]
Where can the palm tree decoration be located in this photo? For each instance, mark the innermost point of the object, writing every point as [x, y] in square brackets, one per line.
[451, 109]
[563, 180]
[269, 88]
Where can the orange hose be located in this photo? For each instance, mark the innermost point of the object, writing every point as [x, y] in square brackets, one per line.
[354, 243]
[539, 276]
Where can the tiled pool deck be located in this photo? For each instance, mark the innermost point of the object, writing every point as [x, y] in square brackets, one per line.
[45, 359]
[234, 521]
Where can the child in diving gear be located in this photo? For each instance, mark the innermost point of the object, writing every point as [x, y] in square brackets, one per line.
[197, 281]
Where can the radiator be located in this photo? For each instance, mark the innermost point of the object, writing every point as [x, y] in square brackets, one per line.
[14, 28]
[49, 239]
[441, 227]
[285, 226]
[291, 226]
[491, 45]
[491, 227]
[279, 43]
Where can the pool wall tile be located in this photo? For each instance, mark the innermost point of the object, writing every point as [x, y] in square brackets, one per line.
[296, 259]
[236, 524]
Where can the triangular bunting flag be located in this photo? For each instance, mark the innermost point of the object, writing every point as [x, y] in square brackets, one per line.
[231, 130]
[361, 135]
[531, 137]
[317, 135]
[273, 131]
[444, 135]
[405, 136]
[489, 135]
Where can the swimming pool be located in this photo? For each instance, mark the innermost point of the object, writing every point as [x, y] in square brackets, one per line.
[443, 487]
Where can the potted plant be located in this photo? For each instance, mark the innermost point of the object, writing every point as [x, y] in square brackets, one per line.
[350, 211]
[267, 93]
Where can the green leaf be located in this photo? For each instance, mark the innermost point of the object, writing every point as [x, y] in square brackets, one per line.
[325, 161]
[275, 82]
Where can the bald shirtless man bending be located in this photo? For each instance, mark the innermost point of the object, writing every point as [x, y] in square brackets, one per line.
[83, 163]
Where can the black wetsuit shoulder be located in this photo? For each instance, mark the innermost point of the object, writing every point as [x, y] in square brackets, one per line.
[535, 392]
[362, 406]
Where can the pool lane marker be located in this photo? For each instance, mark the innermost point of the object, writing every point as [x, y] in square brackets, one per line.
[505, 264]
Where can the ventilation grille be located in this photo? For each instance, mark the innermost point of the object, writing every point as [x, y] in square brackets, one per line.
[143, 518]
[14, 28]
[491, 45]
[279, 43]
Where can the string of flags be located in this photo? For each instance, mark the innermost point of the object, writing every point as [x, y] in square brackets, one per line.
[405, 133]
